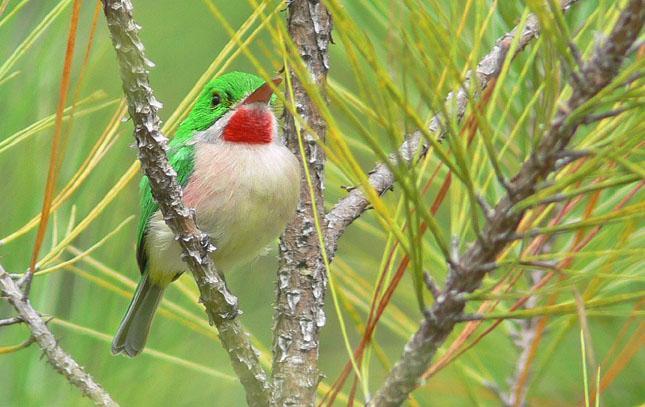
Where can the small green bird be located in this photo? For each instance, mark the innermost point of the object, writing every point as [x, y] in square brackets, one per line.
[235, 171]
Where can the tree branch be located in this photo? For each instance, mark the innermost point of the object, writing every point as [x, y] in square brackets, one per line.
[221, 306]
[62, 362]
[349, 208]
[10, 321]
[523, 338]
[381, 178]
[302, 281]
[466, 274]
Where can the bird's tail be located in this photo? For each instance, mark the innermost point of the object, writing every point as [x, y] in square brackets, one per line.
[131, 337]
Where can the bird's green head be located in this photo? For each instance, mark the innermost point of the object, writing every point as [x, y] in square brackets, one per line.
[237, 106]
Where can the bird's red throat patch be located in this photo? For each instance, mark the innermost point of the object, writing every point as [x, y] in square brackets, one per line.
[249, 124]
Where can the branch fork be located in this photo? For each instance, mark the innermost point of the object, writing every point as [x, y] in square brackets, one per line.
[465, 276]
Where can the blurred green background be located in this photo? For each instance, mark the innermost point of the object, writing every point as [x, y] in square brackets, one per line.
[183, 38]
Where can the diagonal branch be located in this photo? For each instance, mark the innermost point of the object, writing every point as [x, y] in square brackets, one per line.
[57, 357]
[524, 336]
[221, 306]
[381, 177]
[466, 273]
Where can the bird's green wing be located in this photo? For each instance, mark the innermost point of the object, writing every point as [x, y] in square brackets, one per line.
[181, 155]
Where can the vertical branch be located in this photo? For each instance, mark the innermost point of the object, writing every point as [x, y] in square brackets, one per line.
[220, 303]
[301, 283]
[56, 356]
[523, 338]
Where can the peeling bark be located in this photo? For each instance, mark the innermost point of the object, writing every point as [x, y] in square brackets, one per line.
[467, 272]
[60, 360]
[381, 177]
[302, 281]
[221, 305]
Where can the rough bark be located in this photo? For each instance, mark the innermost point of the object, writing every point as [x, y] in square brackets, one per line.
[60, 360]
[301, 281]
[466, 273]
[381, 177]
[221, 306]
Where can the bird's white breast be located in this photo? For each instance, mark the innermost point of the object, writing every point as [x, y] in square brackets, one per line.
[244, 195]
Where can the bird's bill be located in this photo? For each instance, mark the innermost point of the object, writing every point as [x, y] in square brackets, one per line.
[263, 93]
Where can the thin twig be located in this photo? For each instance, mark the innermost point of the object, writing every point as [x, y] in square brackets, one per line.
[15, 348]
[466, 275]
[523, 338]
[61, 361]
[11, 321]
[605, 115]
[221, 306]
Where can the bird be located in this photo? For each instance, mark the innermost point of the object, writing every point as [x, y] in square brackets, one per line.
[237, 174]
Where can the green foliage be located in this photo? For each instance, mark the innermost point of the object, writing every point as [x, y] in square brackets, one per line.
[392, 66]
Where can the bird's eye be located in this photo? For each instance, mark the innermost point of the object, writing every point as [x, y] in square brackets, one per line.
[216, 99]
